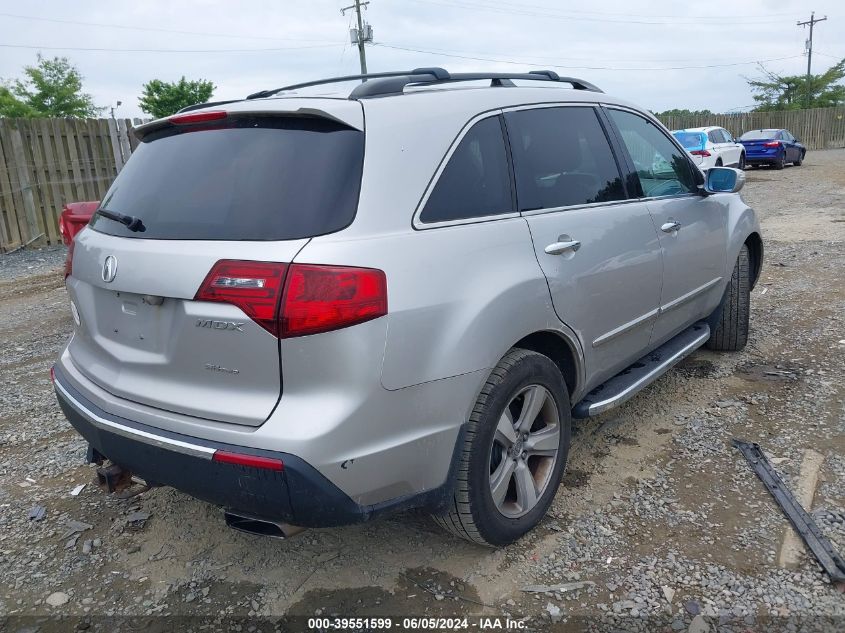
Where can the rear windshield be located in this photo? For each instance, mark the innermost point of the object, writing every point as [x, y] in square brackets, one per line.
[690, 140]
[753, 135]
[278, 178]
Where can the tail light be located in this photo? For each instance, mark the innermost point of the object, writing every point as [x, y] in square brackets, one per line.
[324, 298]
[772, 144]
[255, 287]
[69, 259]
[700, 152]
[298, 299]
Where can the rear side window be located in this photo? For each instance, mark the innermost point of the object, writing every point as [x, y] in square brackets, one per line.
[476, 181]
[267, 178]
[562, 158]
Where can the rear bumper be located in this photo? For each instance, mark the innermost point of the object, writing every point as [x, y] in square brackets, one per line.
[762, 157]
[298, 494]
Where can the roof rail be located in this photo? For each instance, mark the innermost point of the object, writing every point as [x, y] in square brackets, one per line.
[434, 73]
[388, 83]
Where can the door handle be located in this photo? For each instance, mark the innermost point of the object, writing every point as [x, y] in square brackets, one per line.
[558, 248]
[671, 227]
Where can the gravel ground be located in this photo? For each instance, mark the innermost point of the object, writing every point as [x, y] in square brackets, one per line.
[660, 523]
[31, 261]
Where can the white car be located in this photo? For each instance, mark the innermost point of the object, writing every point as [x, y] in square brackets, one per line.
[712, 147]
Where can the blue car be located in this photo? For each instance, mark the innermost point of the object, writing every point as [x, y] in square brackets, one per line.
[772, 147]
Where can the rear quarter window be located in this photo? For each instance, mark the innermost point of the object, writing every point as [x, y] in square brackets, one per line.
[256, 178]
[476, 181]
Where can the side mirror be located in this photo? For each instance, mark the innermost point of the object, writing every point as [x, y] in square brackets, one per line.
[723, 180]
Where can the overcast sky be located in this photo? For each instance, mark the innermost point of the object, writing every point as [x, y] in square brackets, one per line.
[625, 47]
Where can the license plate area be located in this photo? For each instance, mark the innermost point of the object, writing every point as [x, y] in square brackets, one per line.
[131, 320]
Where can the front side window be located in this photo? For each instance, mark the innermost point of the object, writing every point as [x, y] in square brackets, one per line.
[476, 181]
[662, 168]
[562, 158]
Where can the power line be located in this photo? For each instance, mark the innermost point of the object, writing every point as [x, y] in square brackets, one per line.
[470, 6]
[558, 58]
[154, 29]
[168, 50]
[721, 18]
[523, 63]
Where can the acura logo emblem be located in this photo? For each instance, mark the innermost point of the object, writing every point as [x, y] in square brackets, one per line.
[109, 269]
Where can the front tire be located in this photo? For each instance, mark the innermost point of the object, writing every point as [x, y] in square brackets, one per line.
[514, 451]
[731, 331]
[800, 160]
[741, 164]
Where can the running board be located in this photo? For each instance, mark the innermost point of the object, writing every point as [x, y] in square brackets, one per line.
[625, 385]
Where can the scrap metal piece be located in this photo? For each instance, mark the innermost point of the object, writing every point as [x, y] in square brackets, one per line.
[830, 560]
[113, 477]
[37, 513]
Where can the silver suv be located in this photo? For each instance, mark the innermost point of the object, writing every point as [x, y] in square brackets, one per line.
[312, 310]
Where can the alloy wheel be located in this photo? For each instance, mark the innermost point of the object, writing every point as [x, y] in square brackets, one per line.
[524, 451]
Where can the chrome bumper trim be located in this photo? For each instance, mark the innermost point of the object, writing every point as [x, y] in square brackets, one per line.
[160, 441]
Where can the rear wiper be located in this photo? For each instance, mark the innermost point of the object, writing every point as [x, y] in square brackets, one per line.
[131, 222]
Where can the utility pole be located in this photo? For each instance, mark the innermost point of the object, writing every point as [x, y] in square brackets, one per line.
[812, 21]
[364, 33]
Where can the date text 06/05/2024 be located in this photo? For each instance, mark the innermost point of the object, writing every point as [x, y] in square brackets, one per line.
[414, 624]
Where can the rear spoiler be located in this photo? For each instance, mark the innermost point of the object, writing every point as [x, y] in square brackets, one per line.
[194, 116]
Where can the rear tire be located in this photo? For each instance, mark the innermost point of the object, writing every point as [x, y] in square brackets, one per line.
[718, 162]
[731, 331]
[780, 163]
[490, 461]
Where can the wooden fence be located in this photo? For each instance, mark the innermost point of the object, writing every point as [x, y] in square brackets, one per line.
[45, 163]
[818, 128]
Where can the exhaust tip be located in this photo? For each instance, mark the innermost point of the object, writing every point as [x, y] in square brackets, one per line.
[261, 527]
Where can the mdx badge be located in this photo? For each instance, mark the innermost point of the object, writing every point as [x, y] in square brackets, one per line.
[109, 269]
[220, 325]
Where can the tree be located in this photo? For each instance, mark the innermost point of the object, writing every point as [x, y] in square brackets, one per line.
[11, 106]
[793, 92]
[677, 112]
[162, 98]
[52, 88]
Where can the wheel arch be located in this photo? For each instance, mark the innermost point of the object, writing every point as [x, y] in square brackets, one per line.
[755, 250]
[563, 351]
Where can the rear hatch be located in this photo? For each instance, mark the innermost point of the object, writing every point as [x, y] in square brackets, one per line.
[765, 147]
[760, 143]
[240, 187]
